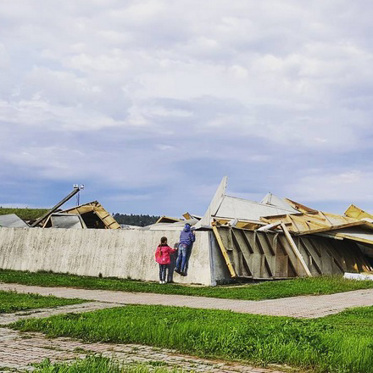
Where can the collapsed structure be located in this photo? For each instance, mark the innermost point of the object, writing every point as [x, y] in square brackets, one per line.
[236, 239]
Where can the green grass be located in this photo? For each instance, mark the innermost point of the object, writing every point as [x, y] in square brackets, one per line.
[97, 364]
[338, 343]
[264, 290]
[24, 213]
[11, 301]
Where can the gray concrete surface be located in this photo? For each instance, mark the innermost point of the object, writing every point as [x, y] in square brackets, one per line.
[90, 252]
[301, 307]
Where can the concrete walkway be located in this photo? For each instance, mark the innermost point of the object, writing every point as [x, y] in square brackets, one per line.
[301, 307]
[19, 350]
[9, 318]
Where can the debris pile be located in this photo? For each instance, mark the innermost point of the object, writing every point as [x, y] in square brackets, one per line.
[272, 239]
[279, 238]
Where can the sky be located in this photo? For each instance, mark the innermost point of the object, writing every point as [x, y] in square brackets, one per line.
[150, 104]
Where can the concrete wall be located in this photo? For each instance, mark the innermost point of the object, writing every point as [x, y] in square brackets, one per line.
[219, 270]
[117, 253]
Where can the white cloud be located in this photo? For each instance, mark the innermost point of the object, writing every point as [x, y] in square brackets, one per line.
[350, 185]
[222, 85]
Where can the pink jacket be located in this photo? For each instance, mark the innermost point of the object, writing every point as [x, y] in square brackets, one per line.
[162, 254]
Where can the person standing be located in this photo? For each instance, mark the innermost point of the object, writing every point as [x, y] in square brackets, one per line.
[172, 265]
[187, 237]
[162, 257]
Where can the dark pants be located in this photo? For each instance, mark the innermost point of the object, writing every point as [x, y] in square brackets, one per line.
[171, 267]
[187, 258]
[162, 272]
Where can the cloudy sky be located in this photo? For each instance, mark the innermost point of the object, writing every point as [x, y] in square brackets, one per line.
[150, 103]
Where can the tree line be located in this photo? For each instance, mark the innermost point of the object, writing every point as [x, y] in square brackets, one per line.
[132, 219]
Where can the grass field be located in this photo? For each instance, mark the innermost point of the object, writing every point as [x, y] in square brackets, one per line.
[338, 343]
[13, 302]
[98, 364]
[265, 290]
[23, 213]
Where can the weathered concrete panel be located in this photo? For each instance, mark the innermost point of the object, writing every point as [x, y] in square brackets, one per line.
[89, 252]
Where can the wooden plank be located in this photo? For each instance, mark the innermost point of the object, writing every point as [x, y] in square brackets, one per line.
[300, 207]
[295, 249]
[224, 252]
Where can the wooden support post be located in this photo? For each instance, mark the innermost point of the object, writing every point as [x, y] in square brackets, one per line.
[224, 252]
[295, 249]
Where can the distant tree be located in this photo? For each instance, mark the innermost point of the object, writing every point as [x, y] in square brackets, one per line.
[138, 220]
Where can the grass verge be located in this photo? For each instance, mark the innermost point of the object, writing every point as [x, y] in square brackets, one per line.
[11, 301]
[338, 343]
[98, 364]
[265, 290]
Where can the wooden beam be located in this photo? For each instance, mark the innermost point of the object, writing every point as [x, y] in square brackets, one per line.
[295, 249]
[224, 252]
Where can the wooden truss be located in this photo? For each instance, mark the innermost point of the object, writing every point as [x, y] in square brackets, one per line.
[278, 255]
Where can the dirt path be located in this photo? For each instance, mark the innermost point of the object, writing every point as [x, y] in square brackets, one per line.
[301, 307]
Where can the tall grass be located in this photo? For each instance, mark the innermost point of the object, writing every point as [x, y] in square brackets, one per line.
[265, 290]
[339, 343]
[11, 301]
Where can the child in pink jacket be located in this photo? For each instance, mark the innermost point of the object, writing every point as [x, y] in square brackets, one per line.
[162, 257]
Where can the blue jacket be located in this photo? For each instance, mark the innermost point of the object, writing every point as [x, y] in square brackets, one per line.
[186, 236]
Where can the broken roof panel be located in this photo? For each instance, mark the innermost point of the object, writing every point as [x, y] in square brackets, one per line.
[94, 216]
[187, 216]
[272, 200]
[176, 226]
[226, 207]
[358, 234]
[12, 221]
[65, 220]
[166, 220]
[242, 209]
[314, 222]
[357, 213]
[214, 204]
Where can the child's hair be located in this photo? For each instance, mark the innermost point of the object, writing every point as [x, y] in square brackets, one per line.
[163, 240]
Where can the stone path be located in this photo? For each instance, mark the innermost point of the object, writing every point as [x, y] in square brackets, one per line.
[302, 307]
[8, 318]
[18, 350]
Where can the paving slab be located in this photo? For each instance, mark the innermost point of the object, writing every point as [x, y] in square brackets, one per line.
[311, 306]
[19, 350]
[8, 318]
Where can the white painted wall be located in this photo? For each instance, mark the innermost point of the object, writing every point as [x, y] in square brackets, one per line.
[116, 253]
